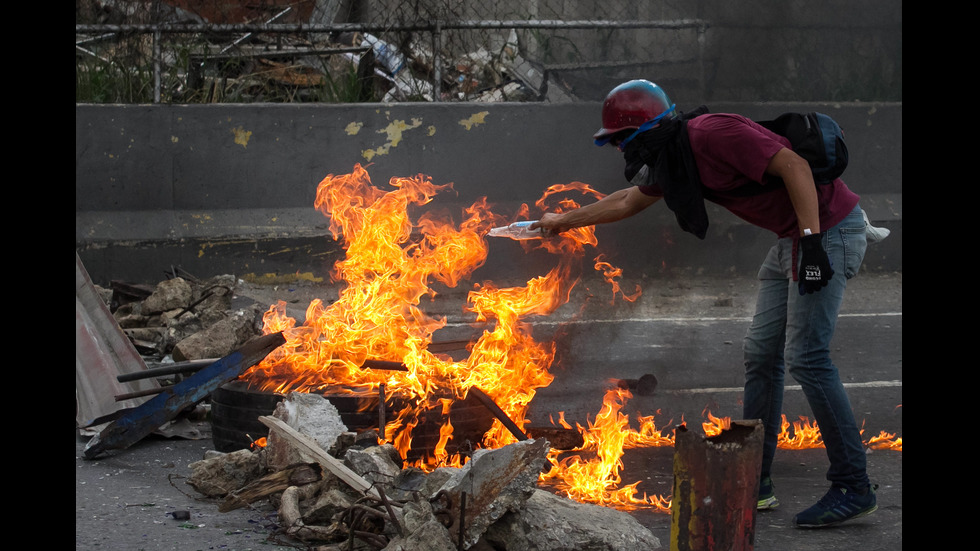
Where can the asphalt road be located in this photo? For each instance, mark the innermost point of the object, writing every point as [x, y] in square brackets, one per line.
[687, 333]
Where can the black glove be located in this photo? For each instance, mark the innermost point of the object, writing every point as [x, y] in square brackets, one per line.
[815, 268]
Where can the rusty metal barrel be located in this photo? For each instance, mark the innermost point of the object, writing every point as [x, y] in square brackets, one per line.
[716, 488]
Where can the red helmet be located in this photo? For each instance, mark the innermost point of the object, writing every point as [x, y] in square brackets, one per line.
[629, 105]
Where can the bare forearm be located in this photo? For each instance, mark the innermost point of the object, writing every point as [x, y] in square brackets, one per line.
[796, 174]
[611, 208]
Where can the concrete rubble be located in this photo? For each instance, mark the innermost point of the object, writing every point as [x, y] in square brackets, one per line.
[185, 319]
[491, 502]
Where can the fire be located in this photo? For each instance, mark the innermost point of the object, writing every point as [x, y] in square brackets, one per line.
[392, 263]
[611, 273]
[714, 425]
[804, 435]
[598, 480]
[885, 441]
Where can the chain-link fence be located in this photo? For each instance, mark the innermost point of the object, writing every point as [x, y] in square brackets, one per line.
[243, 51]
[186, 51]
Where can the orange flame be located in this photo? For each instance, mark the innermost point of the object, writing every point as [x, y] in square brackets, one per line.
[714, 425]
[611, 273]
[803, 436]
[390, 266]
[597, 480]
[885, 441]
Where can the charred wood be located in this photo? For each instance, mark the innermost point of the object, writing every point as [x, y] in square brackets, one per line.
[296, 475]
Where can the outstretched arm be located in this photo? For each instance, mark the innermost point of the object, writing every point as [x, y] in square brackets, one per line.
[611, 208]
[795, 172]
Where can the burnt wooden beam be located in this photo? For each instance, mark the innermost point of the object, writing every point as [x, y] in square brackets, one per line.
[384, 365]
[297, 474]
[152, 414]
[448, 346]
[559, 438]
[488, 402]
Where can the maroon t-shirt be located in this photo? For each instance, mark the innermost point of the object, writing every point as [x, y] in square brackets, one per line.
[731, 151]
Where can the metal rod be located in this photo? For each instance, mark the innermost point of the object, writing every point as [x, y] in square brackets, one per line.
[138, 394]
[381, 412]
[391, 512]
[247, 36]
[181, 367]
[156, 67]
[462, 518]
[436, 64]
[498, 413]
[360, 27]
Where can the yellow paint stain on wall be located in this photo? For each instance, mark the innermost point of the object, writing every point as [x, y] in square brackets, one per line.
[477, 118]
[396, 128]
[394, 131]
[432, 130]
[353, 128]
[173, 139]
[242, 136]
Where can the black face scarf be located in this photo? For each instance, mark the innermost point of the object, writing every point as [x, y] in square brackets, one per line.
[666, 149]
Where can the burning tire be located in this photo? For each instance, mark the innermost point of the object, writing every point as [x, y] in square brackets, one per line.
[470, 420]
[235, 412]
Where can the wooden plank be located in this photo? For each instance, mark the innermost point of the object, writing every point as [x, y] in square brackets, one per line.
[328, 461]
[151, 415]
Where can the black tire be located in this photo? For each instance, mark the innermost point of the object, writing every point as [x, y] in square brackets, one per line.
[470, 420]
[235, 412]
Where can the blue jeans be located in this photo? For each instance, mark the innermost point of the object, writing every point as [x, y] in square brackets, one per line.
[789, 330]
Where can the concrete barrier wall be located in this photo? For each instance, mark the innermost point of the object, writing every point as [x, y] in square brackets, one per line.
[230, 188]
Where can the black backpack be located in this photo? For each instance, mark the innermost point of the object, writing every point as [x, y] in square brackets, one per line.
[815, 137]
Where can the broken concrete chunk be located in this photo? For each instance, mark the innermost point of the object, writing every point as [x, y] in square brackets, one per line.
[406, 483]
[375, 464]
[494, 481]
[327, 506]
[436, 480]
[217, 476]
[430, 536]
[552, 523]
[218, 340]
[168, 295]
[310, 414]
[423, 530]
